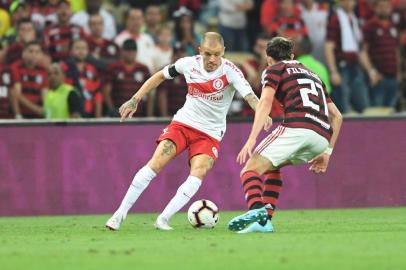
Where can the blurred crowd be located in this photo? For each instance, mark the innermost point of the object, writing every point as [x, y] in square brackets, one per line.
[64, 59]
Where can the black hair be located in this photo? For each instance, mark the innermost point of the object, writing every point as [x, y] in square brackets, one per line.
[279, 48]
[32, 43]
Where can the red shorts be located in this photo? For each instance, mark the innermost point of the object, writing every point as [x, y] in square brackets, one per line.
[187, 137]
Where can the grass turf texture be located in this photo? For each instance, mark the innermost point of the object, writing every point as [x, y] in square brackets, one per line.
[312, 239]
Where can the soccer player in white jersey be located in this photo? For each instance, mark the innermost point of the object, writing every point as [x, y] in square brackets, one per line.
[198, 126]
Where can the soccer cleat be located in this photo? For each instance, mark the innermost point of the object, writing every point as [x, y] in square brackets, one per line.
[115, 221]
[241, 222]
[256, 227]
[162, 224]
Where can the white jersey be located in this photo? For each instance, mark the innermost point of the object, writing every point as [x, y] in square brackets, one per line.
[209, 94]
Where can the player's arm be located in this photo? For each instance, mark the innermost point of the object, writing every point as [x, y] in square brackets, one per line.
[107, 88]
[262, 111]
[329, 48]
[320, 163]
[130, 107]
[253, 101]
[26, 102]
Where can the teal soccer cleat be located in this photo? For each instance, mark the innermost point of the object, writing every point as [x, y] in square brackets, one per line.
[241, 222]
[256, 227]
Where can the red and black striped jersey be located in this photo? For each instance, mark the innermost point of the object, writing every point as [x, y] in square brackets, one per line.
[302, 94]
[14, 52]
[125, 81]
[5, 87]
[288, 26]
[176, 93]
[57, 40]
[102, 49]
[33, 82]
[89, 81]
[383, 39]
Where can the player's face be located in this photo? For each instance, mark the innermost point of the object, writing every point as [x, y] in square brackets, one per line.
[96, 25]
[128, 56]
[348, 5]
[383, 9]
[26, 32]
[80, 50]
[31, 55]
[165, 37]
[55, 76]
[64, 12]
[135, 20]
[211, 55]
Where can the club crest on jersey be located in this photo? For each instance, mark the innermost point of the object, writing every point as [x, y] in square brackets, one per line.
[218, 84]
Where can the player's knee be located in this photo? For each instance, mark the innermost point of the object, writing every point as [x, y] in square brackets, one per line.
[156, 165]
[200, 171]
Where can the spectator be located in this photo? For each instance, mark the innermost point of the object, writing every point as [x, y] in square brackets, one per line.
[5, 92]
[124, 77]
[25, 33]
[19, 9]
[57, 38]
[30, 81]
[383, 61]
[342, 51]
[315, 17]
[84, 77]
[163, 49]
[171, 93]
[252, 69]
[287, 23]
[134, 20]
[233, 23]
[302, 51]
[184, 31]
[61, 101]
[192, 5]
[153, 21]
[81, 18]
[102, 51]
[269, 10]
[44, 13]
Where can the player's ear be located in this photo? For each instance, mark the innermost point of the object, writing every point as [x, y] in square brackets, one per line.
[200, 51]
[269, 60]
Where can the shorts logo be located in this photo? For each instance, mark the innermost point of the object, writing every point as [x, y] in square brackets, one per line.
[165, 130]
[215, 152]
[218, 84]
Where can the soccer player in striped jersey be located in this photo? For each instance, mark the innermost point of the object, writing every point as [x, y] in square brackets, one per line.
[307, 134]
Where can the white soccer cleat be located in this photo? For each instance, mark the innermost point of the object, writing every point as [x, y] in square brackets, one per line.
[162, 224]
[115, 221]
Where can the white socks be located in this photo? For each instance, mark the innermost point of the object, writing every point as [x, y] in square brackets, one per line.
[140, 182]
[182, 197]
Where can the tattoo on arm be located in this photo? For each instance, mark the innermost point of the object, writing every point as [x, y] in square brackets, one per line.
[211, 162]
[169, 147]
[252, 100]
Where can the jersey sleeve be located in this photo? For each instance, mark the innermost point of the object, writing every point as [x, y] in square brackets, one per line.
[271, 77]
[237, 79]
[173, 70]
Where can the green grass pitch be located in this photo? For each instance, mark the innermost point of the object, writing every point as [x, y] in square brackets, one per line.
[309, 239]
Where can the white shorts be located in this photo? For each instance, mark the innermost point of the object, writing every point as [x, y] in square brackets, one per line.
[296, 145]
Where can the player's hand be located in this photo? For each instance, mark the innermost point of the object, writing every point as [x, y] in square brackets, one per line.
[268, 124]
[128, 109]
[335, 78]
[319, 163]
[246, 151]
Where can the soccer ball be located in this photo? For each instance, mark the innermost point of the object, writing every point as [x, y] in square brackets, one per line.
[203, 214]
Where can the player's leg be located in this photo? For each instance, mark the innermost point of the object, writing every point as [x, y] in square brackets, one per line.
[200, 165]
[253, 189]
[165, 152]
[272, 188]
